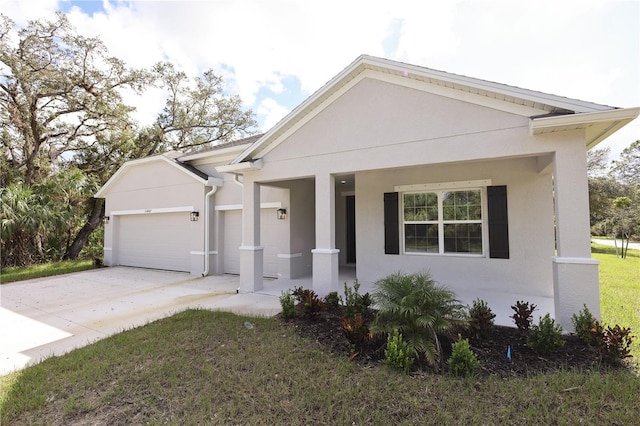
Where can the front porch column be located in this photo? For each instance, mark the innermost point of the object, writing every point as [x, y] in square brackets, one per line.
[251, 253]
[575, 272]
[325, 255]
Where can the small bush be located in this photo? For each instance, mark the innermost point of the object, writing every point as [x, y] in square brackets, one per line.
[463, 362]
[523, 316]
[420, 308]
[546, 337]
[356, 330]
[583, 325]
[398, 354]
[333, 301]
[480, 319]
[288, 304]
[612, 344]
[308, 301]
[355, 303]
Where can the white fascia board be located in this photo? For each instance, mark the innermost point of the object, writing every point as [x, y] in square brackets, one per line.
[105, 188]
[385, 68]
[542, 124]
[215, 154]
[604, 123]
[245, 166]
[489, 86]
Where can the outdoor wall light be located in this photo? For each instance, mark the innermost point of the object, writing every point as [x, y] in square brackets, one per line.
[105, 219]
[282, 214]
[195, 216]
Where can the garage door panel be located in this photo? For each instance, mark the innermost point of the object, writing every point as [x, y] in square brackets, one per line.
[158, 241]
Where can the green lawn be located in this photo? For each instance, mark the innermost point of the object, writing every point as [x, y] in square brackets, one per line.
[620, 290]
[202, 367]
[12, 274]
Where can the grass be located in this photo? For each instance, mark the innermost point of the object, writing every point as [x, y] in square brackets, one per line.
[19, 273]
[620, 290]
[214, 370]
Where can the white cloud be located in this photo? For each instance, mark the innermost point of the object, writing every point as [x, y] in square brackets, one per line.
[587, 49]
[270, 112]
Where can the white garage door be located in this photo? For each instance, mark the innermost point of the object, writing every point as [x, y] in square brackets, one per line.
[233, 240]
[158, 241]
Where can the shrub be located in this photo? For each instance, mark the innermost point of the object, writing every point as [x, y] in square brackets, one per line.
[288, 304]
[480, 318]
[546, 337]
[398, 353]
[354, 302]
[419, 308]
[523, 316]
[612, 344]
[333, 301]
[584, 324]
[356, 330]
[309, 302]
[463, 361]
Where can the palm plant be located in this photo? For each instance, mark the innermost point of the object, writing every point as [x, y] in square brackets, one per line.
[420, 308]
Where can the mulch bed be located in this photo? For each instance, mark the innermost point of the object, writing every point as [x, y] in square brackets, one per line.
[325, 329]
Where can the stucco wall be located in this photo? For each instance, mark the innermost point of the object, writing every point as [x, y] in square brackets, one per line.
[530, 210]
[155, 185]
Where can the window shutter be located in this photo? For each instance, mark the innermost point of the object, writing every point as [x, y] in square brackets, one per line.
[498, 222]
[391, 224]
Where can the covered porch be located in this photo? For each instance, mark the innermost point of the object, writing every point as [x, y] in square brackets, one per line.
[500, 302]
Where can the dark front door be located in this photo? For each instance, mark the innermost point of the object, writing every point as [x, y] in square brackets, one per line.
[351, 229]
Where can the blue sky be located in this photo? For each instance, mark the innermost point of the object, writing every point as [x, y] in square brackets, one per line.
[276, 53]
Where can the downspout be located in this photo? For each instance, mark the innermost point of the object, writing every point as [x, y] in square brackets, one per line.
[206, 229]
[236, 179]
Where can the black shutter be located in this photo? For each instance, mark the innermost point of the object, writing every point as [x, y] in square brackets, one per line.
[498, 222]
[391, 224]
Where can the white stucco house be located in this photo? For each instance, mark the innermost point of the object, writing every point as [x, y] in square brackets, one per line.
[388, 167]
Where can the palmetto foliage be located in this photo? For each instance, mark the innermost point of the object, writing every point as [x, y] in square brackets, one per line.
[420, 308]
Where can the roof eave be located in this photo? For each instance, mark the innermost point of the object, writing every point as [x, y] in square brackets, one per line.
[597, 125]
[241, 167]
[364, 62]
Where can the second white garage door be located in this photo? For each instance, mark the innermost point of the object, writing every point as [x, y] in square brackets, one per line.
[158, 241]
[233, 240]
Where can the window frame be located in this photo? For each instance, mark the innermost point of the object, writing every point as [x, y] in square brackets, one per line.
[439, 190]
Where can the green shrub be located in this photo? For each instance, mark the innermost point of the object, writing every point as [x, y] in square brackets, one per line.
[333, 301]
[419, 308]
[546, 336]
[480, 319]
[308, 301]
[523, 316]
[288, 304]
[356, 330]
[354, 302]
[612, 344]
[463, 361]
[398, 354]
[584, 325]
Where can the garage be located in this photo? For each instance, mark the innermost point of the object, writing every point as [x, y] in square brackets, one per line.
[233, 240]
[158, 241]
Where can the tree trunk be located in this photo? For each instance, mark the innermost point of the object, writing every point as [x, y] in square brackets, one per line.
[83, 235]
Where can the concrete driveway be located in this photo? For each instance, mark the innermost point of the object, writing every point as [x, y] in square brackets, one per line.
[51, 316]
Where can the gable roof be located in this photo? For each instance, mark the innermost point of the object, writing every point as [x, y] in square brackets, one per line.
[548, 113]
[170, 158]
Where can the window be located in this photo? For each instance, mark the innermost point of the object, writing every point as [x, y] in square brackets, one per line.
[443, 221]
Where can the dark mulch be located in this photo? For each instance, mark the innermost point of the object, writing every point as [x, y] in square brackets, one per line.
[491, 350]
